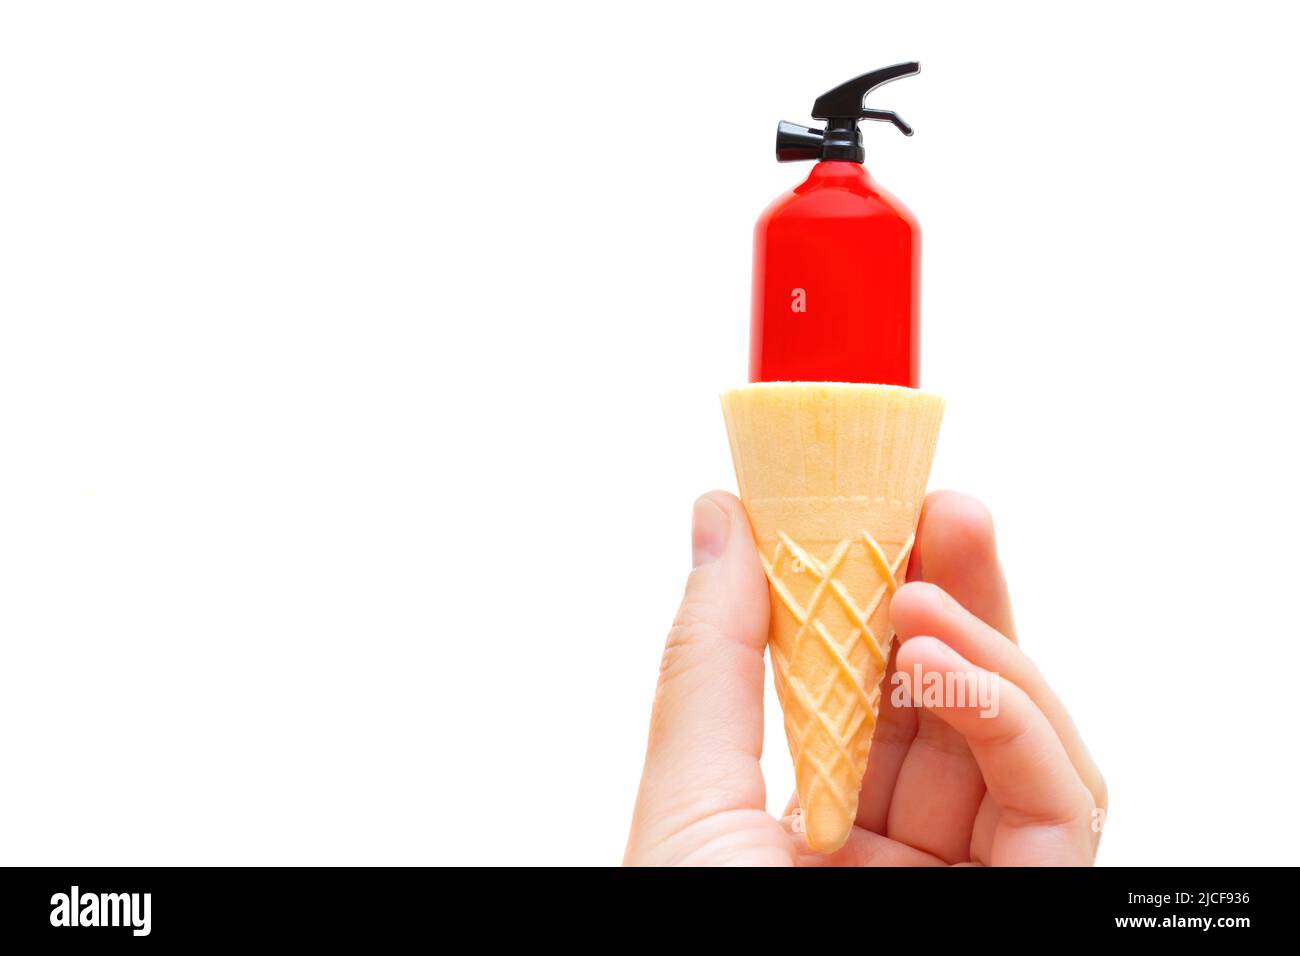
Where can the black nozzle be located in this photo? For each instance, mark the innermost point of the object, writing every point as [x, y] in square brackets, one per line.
[842, 109]
[794, 142]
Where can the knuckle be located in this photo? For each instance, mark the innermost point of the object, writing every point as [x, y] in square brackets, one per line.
[689, 631]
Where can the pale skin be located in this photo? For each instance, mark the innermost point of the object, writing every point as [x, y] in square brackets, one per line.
[943, 786]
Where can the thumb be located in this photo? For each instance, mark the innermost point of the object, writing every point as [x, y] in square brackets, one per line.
[706, 732]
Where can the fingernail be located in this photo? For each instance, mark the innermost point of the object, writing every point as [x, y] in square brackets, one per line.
[710, 526]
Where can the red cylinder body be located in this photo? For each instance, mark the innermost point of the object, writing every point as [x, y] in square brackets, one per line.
[836, 284]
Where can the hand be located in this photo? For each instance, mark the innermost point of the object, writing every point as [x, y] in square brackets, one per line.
[944, 785]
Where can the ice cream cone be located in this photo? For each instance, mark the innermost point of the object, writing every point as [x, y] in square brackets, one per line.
[832, 476]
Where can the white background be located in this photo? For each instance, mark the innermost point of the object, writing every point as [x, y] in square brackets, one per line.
[359, 365]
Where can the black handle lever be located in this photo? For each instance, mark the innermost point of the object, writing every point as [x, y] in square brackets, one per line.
[888, 116]
[845, 101]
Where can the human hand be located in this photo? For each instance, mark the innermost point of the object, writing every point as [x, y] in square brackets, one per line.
[944, 785]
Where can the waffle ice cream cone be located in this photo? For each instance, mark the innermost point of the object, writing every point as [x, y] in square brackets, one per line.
[832, 476]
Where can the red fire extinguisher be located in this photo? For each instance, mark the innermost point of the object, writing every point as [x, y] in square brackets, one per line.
[836, 261]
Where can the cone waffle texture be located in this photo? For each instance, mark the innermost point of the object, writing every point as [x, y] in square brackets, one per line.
[832, 476]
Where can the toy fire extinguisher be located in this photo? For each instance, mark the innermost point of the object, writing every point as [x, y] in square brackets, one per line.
[837, 261]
